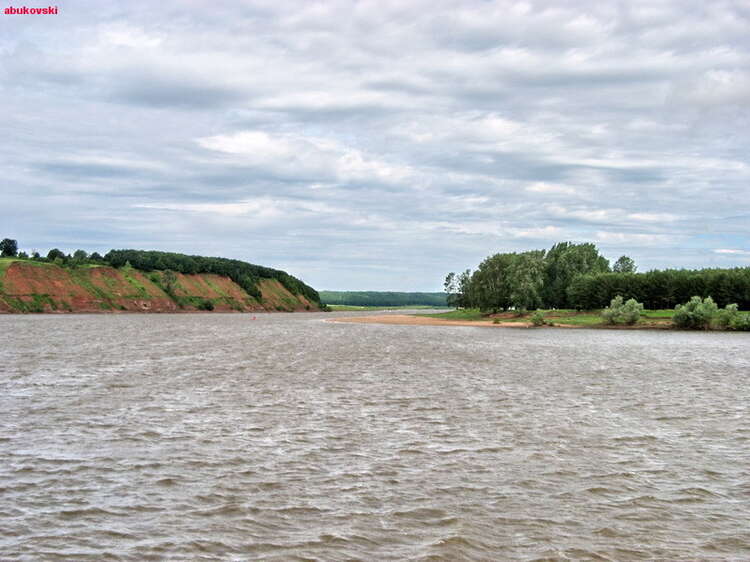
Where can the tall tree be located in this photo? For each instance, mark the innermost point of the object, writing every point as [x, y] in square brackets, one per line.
[565, 261]
[8, 248]
[451, 289]
[464, 289]
[527, 280]
[624, 264]
[490, 284]
[457, 288]
[54, 254]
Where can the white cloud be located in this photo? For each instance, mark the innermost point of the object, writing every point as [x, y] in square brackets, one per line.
[732, 252]
[634, 240]
[311, 158]
[543, 187]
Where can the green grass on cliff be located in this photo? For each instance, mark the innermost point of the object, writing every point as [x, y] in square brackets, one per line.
[108, 291]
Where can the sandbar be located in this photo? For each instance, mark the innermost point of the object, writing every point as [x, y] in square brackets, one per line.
[406, 320]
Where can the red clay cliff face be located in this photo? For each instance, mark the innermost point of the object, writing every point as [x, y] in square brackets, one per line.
[42, 287]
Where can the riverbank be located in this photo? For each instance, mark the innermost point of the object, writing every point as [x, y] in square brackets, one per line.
[409, 320]
[652, 319]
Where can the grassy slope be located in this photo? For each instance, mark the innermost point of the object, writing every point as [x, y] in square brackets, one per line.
[93, 288]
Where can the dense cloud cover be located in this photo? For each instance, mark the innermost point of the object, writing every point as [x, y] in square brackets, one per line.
[378, 145]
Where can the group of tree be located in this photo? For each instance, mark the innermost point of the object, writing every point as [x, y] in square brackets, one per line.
[382, 298]
[9, 248]
[246, 275]
[527, 280]
[577, 276]
[661, 289]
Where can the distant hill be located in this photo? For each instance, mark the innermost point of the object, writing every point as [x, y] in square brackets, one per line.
[382, 298]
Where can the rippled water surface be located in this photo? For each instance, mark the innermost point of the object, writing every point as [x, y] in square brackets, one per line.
[209, 436]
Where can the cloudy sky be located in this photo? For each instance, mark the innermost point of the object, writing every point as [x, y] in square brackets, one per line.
[379, 145]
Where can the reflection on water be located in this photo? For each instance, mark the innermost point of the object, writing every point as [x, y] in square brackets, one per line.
[207, 436]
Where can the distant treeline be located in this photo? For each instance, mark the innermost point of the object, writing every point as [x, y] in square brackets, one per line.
[577, 276]
[246, 275]
[379, 298]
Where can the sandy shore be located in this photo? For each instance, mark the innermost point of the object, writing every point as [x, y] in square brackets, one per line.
[406, 320]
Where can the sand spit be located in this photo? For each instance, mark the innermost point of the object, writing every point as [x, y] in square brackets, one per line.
[406, 320]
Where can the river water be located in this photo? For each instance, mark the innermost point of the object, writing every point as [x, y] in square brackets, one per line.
[221, 437]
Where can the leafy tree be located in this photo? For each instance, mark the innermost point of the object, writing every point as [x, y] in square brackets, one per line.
[35, 255]
[23, 255]
[619, 312]
[79, 258]
[464, 288]
[624, 264]
[526, 279]
[450, 286]
[96, 257]
[489, 286]
[505, 281]
[564, 262]
[458, 288]
[8, 248]
[55, 254]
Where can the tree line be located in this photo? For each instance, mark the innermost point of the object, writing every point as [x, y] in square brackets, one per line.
[246, 275]
[577, 276]
[382, 298]
[663, 288]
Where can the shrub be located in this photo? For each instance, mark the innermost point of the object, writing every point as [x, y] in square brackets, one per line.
[741, 323]
[619, 312]
[206, 304]
[697, 314]
[537, 319]
[726, 316]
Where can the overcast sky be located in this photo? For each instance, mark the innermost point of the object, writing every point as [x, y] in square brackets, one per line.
[379, 145]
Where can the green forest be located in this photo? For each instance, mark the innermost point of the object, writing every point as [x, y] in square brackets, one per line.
[577, 276]
[382, 298]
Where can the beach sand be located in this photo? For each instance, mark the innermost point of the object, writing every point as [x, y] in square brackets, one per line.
[406, 320]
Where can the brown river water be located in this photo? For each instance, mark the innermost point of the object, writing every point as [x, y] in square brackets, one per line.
[220, 437]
